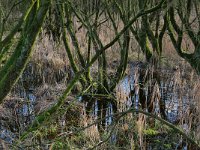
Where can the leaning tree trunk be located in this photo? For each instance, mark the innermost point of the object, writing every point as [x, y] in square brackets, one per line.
[14, 67]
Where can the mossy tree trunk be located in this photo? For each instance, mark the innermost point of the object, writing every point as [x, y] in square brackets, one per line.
[187, 25]
[32, 23]
[94, 40]
[91, 22]
[148, 31]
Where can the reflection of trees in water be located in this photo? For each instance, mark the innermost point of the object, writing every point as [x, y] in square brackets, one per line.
[177, 104]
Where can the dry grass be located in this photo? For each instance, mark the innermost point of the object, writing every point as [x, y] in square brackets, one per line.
[48, 73]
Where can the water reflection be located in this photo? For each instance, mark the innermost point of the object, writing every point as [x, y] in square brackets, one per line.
[6, 135]
[21, 109]
[176, 102]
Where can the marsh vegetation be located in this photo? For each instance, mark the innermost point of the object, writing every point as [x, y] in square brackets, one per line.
[100, 74]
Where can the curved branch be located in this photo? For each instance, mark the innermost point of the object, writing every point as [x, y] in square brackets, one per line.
[44, 116]
[73, 36]
[162, 32]
[133, 110]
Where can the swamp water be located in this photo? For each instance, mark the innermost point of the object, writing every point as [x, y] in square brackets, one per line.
[173, 91]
